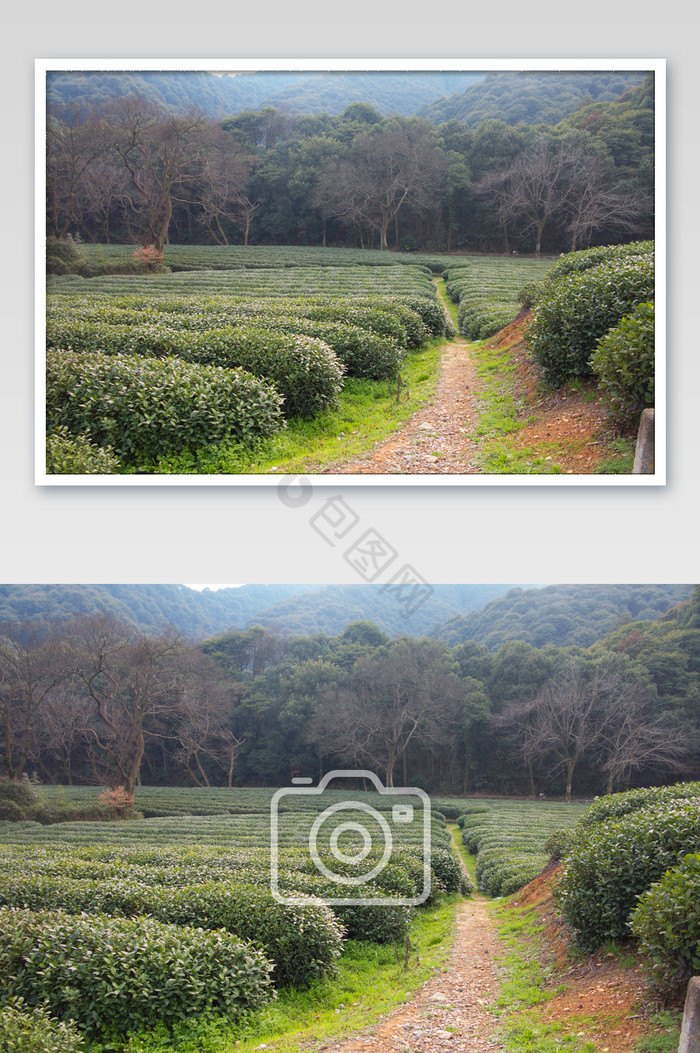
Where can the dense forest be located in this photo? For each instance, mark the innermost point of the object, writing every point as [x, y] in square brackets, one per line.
[568, 155]
[89, 698]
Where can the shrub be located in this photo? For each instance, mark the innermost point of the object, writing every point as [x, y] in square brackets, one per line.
[304, 942]
[68, 454]
[150, 408]
[568, 322]
[33, 1030]
[558, 844]
[20, 791]
[375, 923]
[64, 249]
[110, 974]
[583, 259]
[612, 864]
[624, 361]
[448, 871]
[10, 811]
[667, 923]
[449, 811]
[303, 369]
[615, 805]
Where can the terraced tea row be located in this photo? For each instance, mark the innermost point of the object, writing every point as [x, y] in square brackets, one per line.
[295, 281]
[509, 839]
[236, 257]
[487, 291]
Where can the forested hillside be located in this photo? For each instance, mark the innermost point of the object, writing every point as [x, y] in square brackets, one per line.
[292, 91]
[533, 98]
[125, 168]
[252, 707]
[147, 607]
[561, 614]
[284, 609]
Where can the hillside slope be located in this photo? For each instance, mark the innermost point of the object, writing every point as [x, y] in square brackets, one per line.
[561, 614]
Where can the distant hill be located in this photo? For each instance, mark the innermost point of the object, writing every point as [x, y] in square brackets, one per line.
[544, 97]
[561, 614]
[150, 607]
[299, 609]
[332, 608]
[302, 92]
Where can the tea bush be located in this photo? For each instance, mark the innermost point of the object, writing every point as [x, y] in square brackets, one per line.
[613, 863]
[303, 942]
[68, 454]
[615, 805]
[110, 974]
[33, 1030]
[624, 361]
[667, 923]
[583, 259]
[568, 323]
[148, 407]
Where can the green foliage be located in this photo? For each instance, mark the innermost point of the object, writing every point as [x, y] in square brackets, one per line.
[487, 291]
[611, 864]
[616, 805]
[667, 923]
[509, 840]
[584, 259]
[33, 1030]
[19, 791]
[570, 320]
[145, 407]
[449, 873]
[110, 974]
[304, 942]
[624, 361]
[68, 454]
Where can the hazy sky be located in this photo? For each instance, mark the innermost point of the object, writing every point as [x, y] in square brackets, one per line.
[200, 587]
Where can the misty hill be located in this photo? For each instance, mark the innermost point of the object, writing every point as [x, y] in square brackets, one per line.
[302, 92]
[150, 607]
[298, 609]
[545, 97]
[333, 607]
[561, 614]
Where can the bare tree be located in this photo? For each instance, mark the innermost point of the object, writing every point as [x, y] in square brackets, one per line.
[564, 181]
[134, 682]
[601, 711]
[406, 695]
[397, 164]
[164, 156]
[32, 667]
[201, 722]
[74, 144]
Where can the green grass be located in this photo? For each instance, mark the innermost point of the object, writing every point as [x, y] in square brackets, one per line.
[666, 1040]
[370, 984]
[368, 414]
[621, 460]
[526, 983]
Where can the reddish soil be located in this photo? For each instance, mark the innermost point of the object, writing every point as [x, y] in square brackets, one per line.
[568, 427]
[573, 421]
[607, 998]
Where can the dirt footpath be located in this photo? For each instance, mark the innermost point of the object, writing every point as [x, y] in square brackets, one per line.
[435, 441]
[450, 1012]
